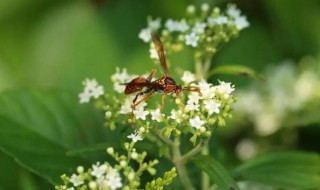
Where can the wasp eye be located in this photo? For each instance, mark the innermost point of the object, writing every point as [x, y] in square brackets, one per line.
[170, 81]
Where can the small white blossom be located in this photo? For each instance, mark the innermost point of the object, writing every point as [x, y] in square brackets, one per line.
[206, 90]
[145, 35]
[233, 12]
[97, 92]
[113, 179]
[199, 27]
[212, 106]
[176, 115]
[192, 106]
[179, 26]
[220, 20]
[156, 115]
[196, 122]
[98, 171]
[92, 185]
[154, 24]
[193, 98]
[191, 9]
[84, 97]
[246, 149]
[183, 26]
[126, 106]
[225, 88]
[205, 7]
[91, 89]
[153, 53]
[125, 109]
[119, 87]
[140, 113]
[188, 77]
[135, 136]
[241, 22]
[76, 180]
[110, 150]
[121, 76]
[192, 39]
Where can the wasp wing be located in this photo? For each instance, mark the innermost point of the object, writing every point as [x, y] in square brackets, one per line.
[160, 51]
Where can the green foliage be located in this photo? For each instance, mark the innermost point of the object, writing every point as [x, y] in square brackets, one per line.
[296, 170]
[159, 183]
[216, 171]
[38, 128]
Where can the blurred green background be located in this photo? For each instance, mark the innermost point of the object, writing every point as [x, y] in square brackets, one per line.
[55, 44]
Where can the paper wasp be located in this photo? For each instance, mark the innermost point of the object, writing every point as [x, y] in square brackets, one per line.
[164, 84]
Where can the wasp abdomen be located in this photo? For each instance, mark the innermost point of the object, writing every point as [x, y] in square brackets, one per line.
[133, 86]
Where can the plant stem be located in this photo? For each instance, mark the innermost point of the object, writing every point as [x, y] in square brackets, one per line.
[180, 165]
[192, 152]
[205, 180]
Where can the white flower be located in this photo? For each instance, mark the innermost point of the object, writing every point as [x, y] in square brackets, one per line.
[179, 26]
[176, 115]
[140, 113]
[98, 171]
[220, 20]
[241, 22]
[121, 76]
[145, 35]
[154, 24]
[205, 7]
[199, 27]
[191, 9]
[212, 106]
[196, 122]
[188, 77]
[233, 12]
[126, 106]
[192, 106]
[113, 179]
[76, 180]
[206, 89]
[193, 98]
[119, 87]
[91, 89]
[84, 97]
[183, 26]
[225, 88]
[156, 115]
[246, 149]
[153, 53]
[96, 92]
[192, 39]
[135, 136]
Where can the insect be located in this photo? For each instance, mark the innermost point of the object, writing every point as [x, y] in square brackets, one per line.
[165, 84]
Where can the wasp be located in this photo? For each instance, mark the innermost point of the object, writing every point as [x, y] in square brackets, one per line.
[165, 84]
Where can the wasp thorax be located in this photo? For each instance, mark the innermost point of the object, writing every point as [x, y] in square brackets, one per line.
[169, 81]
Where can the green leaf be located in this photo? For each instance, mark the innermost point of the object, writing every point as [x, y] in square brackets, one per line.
[38, 128]
[236, 70]
[217, 173]
[284, 170]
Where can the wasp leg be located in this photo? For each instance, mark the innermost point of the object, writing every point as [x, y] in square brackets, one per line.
[163, 101]
[153, 72]
[144, 99]
[192, 89]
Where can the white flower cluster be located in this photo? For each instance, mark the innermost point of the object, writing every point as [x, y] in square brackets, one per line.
[286, 91]
[91, 89]
[198, 29]
[101, 177]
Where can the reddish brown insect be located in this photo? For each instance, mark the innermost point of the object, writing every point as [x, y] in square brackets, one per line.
[164, 84]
